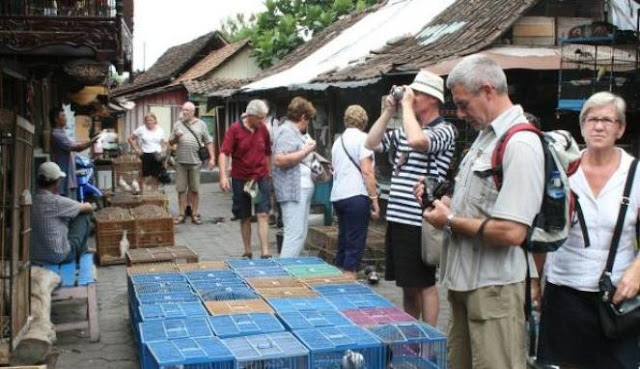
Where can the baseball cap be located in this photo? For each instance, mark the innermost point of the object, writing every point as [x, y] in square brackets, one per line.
[50, 171]
[430, 84]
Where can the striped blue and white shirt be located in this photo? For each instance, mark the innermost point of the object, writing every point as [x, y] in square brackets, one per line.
[410, 164]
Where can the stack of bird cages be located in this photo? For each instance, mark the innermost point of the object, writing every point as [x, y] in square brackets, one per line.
[16, 168]
[273, 350]
[324, 241]
[373, 317]
[177, 254]
[203, 352]
[286, 292]
[237, 307]
[127, 168]
[346, 346]
[207, 265]
[235, 325]
[153, 226]
[412, 345]
[111, 225]
[266, 283]
[152, 268]
[329, 279]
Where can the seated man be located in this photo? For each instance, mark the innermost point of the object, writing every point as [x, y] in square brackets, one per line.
[59, 225]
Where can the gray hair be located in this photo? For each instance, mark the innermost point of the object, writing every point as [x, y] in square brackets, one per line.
[603, 99]
[189, 105]
[257, 107]
[476, 70]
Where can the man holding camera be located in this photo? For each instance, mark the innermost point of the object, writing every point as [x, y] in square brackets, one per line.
[483, 267]
[190, 134]
[424, 147]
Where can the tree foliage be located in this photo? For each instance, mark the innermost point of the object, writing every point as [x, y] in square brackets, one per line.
[285, 24]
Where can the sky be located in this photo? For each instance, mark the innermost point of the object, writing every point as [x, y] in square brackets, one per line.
[158, 25]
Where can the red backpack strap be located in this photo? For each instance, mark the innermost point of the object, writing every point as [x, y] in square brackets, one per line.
[501, 147]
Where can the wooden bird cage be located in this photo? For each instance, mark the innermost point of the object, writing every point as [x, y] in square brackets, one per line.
[16, 168]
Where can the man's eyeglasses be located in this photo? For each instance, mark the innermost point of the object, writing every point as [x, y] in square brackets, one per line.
[604, 120]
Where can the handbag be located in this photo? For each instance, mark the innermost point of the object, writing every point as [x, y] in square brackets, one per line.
[432, 239]
[618, 321]
[321, 169]
[203, 153]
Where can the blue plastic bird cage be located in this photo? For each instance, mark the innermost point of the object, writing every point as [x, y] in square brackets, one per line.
[262, 272]
[273, 351]
[250, 263]
[168, 330]
[412, 345]
[300, 260]
[228, 293]
[178, 310]
[300, 304]
[226, 326]
[342, 347]
[364, 301]
[342, 289]
[191, 353]
[296, 320]
[210, 275]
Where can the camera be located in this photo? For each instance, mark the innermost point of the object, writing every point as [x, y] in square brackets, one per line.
[397, 93]
[433, 190]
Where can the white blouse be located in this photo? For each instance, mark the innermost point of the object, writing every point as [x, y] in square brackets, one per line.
[580, 268]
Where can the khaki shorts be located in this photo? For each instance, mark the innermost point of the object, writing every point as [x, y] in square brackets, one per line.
[187, 176]
[487, 328]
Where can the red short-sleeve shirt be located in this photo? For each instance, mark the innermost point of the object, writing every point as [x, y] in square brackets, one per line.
[248, 150]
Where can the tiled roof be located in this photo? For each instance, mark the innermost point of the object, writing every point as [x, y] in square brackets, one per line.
[466, 27]
[208, 86]
[175, 60]
[211, 61]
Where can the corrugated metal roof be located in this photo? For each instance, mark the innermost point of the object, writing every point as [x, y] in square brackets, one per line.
[395, 19]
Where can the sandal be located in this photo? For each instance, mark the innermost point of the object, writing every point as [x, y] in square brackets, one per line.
[196, 219]
[179, 219]
[266, 256]
[247, 255]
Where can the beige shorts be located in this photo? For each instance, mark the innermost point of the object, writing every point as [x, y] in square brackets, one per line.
[187, 176]
[486, 328]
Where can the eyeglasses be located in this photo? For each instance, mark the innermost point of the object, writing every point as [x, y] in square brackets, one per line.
[604, 120]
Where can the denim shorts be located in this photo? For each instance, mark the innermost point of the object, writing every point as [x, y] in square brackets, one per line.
[241, 207]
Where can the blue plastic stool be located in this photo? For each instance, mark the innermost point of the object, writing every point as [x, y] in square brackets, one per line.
[322, 195]
[78, 283]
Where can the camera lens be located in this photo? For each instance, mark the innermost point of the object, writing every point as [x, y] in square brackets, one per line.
[397, 93]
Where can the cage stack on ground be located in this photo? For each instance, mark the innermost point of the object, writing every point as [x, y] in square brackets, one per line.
[142, 227]
[293, 313]
[324, 241]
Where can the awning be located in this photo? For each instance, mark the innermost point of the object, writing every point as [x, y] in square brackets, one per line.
[510, 57]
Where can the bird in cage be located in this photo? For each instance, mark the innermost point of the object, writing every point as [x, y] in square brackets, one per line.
[135, 187]
[124, 185]
[352, 360]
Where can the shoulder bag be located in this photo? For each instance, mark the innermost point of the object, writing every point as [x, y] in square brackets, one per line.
[349, 156]
[432, 238]
[623, 320]
[203, 153]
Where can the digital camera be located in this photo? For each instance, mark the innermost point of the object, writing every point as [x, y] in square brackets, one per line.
[433, 190]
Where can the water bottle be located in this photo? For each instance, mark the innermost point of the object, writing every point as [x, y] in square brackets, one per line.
[555, 189]
[554, 204]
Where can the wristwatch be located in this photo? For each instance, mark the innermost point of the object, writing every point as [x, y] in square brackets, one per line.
[447, 225]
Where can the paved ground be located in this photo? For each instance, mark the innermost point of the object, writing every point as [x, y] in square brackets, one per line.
[220, 241]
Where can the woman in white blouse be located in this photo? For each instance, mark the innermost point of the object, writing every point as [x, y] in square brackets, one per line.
[570, 332]
[149, 141]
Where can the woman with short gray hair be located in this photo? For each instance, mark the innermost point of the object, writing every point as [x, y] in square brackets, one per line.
[570, 331]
